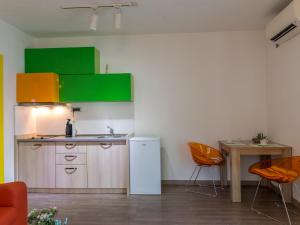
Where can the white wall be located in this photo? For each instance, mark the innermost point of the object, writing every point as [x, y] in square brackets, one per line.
[283, 95]
[12, 44]
[202, 87]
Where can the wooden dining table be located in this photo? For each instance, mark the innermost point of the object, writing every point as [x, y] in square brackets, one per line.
[232, 152]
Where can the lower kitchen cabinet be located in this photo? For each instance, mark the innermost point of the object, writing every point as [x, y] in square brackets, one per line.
[107, 166]
[36, 166]
[72, 165]
[71, 176]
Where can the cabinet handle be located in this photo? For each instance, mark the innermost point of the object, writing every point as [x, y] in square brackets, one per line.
[70, 170]
[105, 146]
[70, 158]
[70, 146]
[36, 146]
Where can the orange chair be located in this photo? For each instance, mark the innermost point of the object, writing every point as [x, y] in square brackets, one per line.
[281, 170]
[204, 156]
[13, 204]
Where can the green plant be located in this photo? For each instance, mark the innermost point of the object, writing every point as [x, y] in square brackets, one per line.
[42, 216]
[259, 137]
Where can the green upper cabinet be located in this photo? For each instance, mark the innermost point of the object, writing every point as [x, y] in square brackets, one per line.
[82, 60]
[96, 88]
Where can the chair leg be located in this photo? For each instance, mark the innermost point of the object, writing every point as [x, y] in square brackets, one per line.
[195, 181]
[266, 215]
[281, 205]
[189, 181]
[214, 186]
[283, 201]
[211, 186]
[256, 192]
[200, 167]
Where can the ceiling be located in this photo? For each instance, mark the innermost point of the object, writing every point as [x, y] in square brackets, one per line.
[45, 18]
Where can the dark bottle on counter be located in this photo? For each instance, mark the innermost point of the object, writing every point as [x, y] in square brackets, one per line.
[69, 128]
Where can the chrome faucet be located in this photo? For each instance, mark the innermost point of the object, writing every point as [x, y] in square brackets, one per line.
[111, 131]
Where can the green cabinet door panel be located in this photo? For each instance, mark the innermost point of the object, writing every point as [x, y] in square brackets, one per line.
[97, 88]
[82, 60]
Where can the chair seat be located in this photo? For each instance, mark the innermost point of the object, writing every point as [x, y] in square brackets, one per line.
[201, 161]
[282, 170]
[7, 215]
[275, 173]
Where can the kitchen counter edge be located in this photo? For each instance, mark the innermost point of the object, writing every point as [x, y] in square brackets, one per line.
[70, 139]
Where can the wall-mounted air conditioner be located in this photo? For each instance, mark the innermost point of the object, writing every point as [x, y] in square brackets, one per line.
[286, 25]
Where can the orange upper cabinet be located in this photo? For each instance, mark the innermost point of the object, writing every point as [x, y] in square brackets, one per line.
[37, 87]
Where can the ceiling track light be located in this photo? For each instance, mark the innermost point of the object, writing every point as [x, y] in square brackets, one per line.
[109, 5]
[94, 21]
[94, 18]
[118, 18]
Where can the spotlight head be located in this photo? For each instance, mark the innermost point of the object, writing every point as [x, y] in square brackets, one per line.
[118, 18]
[94, 21]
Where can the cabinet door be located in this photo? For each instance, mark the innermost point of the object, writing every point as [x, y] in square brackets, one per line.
[107, 166]
[119, 166]
[96, 88]
[37, 164]
[37, 87]
[82, 60]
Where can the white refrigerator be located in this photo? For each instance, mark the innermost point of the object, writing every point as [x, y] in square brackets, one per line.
[145, 166]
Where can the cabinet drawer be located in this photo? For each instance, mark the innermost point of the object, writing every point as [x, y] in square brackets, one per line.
[70, 147]
[71, 159]
[71, 176]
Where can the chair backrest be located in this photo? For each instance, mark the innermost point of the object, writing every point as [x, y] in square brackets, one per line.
[205, 155]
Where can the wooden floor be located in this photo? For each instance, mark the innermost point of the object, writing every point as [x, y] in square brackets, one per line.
[175, 206]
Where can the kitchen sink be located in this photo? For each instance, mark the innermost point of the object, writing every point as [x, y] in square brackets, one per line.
[111, 136]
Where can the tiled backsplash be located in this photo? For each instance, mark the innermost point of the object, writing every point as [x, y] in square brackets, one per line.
[93, 118]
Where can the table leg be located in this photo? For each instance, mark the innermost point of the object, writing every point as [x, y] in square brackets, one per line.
[265, 182]
[235, 171]
[223, 170]
[287, 189]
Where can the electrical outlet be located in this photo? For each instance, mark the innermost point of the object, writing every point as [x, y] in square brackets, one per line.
[76, 109]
